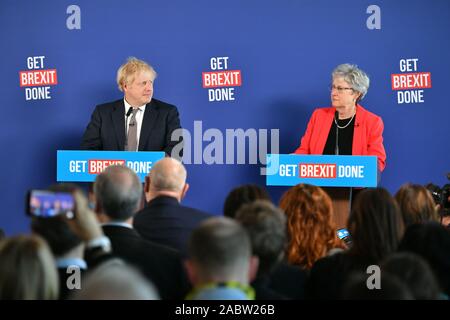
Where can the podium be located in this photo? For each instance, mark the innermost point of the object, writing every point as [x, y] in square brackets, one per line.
[337, 175]
[84, 166]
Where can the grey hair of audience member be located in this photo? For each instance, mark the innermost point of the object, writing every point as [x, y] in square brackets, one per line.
[115, 280]
[356, 78]
[266, 226]
[118, 191]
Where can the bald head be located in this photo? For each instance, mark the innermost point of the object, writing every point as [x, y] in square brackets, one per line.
[167, 177]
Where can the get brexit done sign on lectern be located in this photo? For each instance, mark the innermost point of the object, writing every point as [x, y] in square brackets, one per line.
[83, 166]
[321, 170]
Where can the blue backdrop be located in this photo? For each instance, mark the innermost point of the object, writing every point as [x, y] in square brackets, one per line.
[285, 50]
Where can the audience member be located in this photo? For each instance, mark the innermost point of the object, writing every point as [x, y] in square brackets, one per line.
[376, 227]
[415, 272]
[311, 230]
[66, 246]
[221, 264]
[416, 204]
[164, 220]
[27, 269]
[391, 288]
[116, 282]
[117, 196]
[432, 242]
[242, 195]
[266, 226]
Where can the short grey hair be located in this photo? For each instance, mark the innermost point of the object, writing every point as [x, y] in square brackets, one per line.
[168, 174]
[118, 191]
[221, 248]
[357, 78]
[266, 226]
[116, 281]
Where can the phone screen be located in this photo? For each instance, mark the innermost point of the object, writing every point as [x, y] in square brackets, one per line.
[342, 233]
[46, 204]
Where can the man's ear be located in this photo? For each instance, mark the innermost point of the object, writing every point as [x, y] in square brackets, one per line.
[147, 184]
[190, 270]
[253, 268]
[184, 191]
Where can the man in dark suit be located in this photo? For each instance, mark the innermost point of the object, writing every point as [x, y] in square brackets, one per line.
[137, 122]
[117, 195]
[164, 220]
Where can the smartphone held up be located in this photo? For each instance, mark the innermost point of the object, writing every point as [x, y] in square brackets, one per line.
[47, 204]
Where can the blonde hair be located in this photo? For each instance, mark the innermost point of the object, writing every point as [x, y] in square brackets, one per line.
[129, 69]
[27, 269]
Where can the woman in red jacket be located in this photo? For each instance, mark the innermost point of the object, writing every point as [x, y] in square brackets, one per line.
[360, 132]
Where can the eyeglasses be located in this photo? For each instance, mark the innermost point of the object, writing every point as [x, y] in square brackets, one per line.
[339, 89]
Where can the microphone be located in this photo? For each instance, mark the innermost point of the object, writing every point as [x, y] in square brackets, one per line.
[130, 110]
[336, 118]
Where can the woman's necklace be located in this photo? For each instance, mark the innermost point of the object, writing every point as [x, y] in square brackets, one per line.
[351, 119]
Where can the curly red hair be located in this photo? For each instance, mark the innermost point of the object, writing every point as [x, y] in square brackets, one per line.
[310, 224]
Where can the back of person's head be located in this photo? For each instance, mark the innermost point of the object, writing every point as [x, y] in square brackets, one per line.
[415, 272]
[391, 288]
[168, 174]
[416, 204]
[220, 251]
[55, 230]
[27, 269]
[432, 242]
[311, 229]
[118, 192]
[116, 282]
[266, 226]
[2, 234]
[375, 224]
[242, 195]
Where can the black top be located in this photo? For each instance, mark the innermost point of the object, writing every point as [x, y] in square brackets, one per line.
[345, 137]
[328, 275]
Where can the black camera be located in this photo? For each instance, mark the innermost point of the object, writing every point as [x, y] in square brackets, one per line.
[441, 197]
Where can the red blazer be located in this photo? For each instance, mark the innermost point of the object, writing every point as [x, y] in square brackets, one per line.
[367, 135]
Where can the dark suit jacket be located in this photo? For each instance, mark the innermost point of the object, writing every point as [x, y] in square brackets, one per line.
[166, 222]
[289, 281]
[163, 266]
[106, 130]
